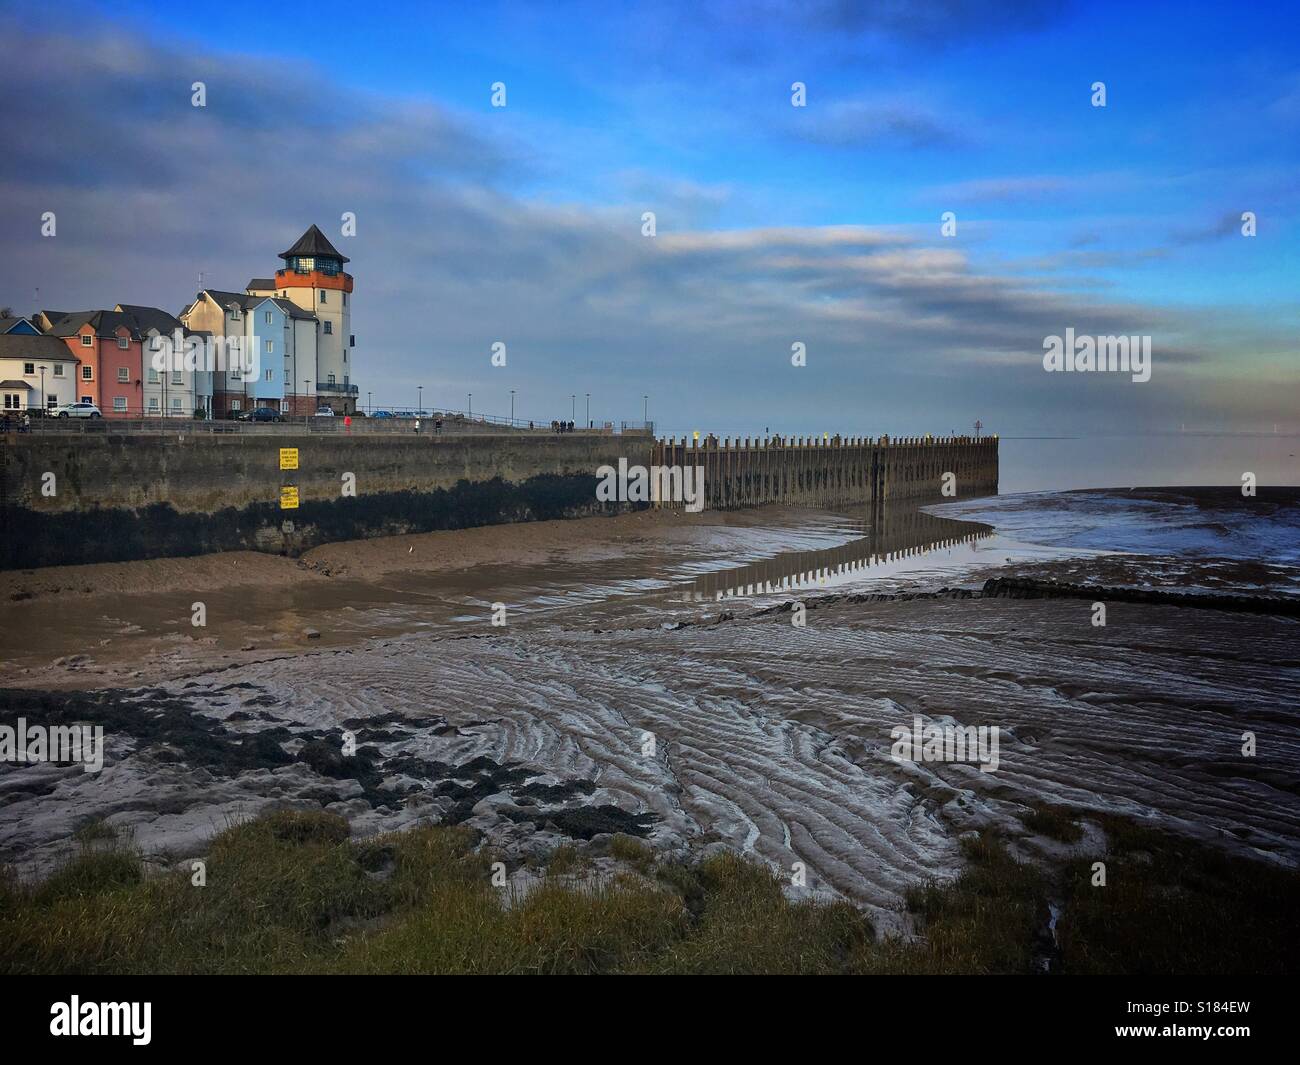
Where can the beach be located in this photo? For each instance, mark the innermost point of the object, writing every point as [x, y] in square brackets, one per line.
[635, 688]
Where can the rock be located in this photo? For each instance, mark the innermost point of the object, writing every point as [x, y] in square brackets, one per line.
[311, 634]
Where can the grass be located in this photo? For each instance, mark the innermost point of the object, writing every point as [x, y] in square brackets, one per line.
[290, 892]
[1055, 822]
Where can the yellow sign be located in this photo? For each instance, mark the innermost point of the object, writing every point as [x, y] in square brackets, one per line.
[288, 458]
[289, 497]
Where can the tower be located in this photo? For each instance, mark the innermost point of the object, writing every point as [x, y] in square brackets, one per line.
[313, 279]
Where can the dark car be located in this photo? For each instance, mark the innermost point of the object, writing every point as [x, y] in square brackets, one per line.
[259, 414]
[382, 414]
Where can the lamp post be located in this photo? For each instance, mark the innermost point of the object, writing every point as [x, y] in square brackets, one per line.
[573, 407]
[44, 405]
[370, 407]
[419, 400]
[588, 410]
[512, 408]
[645, 411]
[469, 405]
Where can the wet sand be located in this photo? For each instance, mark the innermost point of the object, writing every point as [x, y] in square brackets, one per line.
[767, 737]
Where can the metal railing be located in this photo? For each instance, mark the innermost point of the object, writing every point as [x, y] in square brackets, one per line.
[428, 424]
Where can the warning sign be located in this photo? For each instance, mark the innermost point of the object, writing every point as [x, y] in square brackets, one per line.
[288, 458]
[289, 497]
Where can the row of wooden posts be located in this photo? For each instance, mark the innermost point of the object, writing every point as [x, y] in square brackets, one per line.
[833, 470]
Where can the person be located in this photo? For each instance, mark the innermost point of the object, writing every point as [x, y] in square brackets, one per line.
[417, 425]
[26, 426]
[437, 425]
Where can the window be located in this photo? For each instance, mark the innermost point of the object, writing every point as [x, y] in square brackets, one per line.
[153, 376]
[58, 369]
[345, 299]
[270, 347]
[12, 401]
[176, 402]
[234, 313]
[177, 377]
[124, 374]
[86, 399]
[119, 404]
[345, 354]
[153, 402]
[87, 340]
[329, 326]
[87, 373]
[268, 317]
[123, 343]
[323, 294]
[332, 379]
[235, 404]
[270, 375]
[51, 402]
[29, 369]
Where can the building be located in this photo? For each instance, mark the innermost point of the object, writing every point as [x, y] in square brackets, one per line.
[107, 347]
[313, 278]
[36, 371]
[179, 392]
[11, 324]
[298, 323]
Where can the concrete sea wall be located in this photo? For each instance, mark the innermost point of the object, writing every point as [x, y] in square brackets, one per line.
[115, 497]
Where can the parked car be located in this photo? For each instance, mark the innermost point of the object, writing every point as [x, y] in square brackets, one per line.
[382, 414]
[259, 414]
[324, 412]
[77, 410]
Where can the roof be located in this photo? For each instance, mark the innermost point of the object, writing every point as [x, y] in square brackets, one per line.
[260, 283]
[314, 243]
[32, 348]
[10, 320]
[104, 323]
[15, 384]
[147, 318]
[246, 301]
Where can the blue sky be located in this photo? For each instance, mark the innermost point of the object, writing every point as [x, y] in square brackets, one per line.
[522, 223]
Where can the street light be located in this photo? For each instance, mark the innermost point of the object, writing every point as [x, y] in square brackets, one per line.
[512, 407]
[469, 403]
[44, 405]
[573, 408]
[419, 399]
[588, 410]
[645, 412]
[370, 407]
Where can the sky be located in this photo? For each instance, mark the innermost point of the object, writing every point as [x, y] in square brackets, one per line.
[775, 224]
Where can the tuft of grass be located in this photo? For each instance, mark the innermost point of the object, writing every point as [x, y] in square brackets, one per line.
[1055, 822]
[985, 921]
[633, 851]
[94, 830]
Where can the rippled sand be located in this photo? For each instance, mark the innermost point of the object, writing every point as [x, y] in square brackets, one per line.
[768, 737]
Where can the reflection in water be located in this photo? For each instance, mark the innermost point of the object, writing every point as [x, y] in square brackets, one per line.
[888, 535]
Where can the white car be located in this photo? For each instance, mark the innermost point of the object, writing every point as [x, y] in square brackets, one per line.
[324, 412]
[77, 410]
